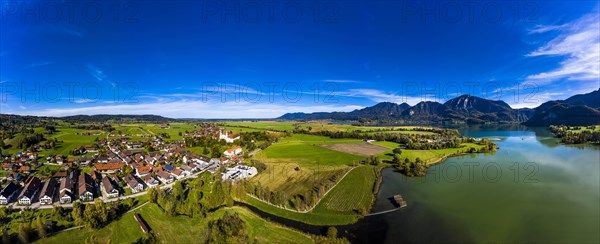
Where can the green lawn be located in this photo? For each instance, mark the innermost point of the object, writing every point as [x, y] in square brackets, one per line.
[179, 229]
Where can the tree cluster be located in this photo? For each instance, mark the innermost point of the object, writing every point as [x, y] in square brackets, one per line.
[228, 229]
[576, 134]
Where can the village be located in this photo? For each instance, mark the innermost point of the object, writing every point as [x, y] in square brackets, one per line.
[120, 169]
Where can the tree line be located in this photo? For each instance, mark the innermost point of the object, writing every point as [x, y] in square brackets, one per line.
[576, 134]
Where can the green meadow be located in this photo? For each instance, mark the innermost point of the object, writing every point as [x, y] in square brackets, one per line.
[314, 126]
[351, 195]
[295, 164]
[429, 156]
[178, 229]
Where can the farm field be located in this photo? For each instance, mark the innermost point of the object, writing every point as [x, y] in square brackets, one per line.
[296, 164]
[263, 125]
[179, 229]
[362, 149]
[304, 150]
[353, 194]
[320, 126]
[71, 139]
[342, 205]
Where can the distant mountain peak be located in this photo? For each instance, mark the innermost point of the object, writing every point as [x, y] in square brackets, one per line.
[583, 108]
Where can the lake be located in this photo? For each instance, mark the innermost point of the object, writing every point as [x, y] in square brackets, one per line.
[533, 189]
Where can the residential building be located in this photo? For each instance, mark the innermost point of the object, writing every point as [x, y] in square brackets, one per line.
[150, 181]
[165, 177]
[134, 184]
[143, 170]
[234, 151]
[65, 191]
[29, 192]
[178, 174]
[86, 188]
[108, 168]
[109, 188]
[8, 193]
[47, 193]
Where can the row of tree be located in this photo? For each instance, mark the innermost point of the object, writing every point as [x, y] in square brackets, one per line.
[576, 134]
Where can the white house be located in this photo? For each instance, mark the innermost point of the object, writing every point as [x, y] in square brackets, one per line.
[150, 181]
[86, 187]
[237, 150]
[31, 189]
[65, 191]
[47, 193]
[8, 193]
[178, 174]
[109, 188]
[134, 184]
[165, 177]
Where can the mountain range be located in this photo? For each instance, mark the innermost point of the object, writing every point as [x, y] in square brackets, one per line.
[581, 109]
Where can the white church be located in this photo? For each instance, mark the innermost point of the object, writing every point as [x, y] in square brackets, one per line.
[229, 138]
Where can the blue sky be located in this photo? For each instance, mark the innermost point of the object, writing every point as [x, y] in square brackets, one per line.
[260, 59]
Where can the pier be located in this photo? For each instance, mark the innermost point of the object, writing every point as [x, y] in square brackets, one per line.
[398, 202]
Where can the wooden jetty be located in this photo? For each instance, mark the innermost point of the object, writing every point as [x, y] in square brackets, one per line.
[400, 201]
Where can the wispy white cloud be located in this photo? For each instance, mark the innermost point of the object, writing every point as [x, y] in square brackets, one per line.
[579, 43]
[546, 28]
[343, 81]
[99, 75]
[81, 100]
[382, 96]
[198, 109]
[39, 64]
[532, 100]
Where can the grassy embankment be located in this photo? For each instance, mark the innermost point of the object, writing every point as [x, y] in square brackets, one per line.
[179, 229]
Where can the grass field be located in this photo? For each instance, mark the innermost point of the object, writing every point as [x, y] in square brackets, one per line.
[584, 128]
[322, 218]
[179, 229]
[362, 149]
[305, 150]
[353, 193]
[296, 164]
[319, 126]
[69, 136]
[342, 205]
[429, 156]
